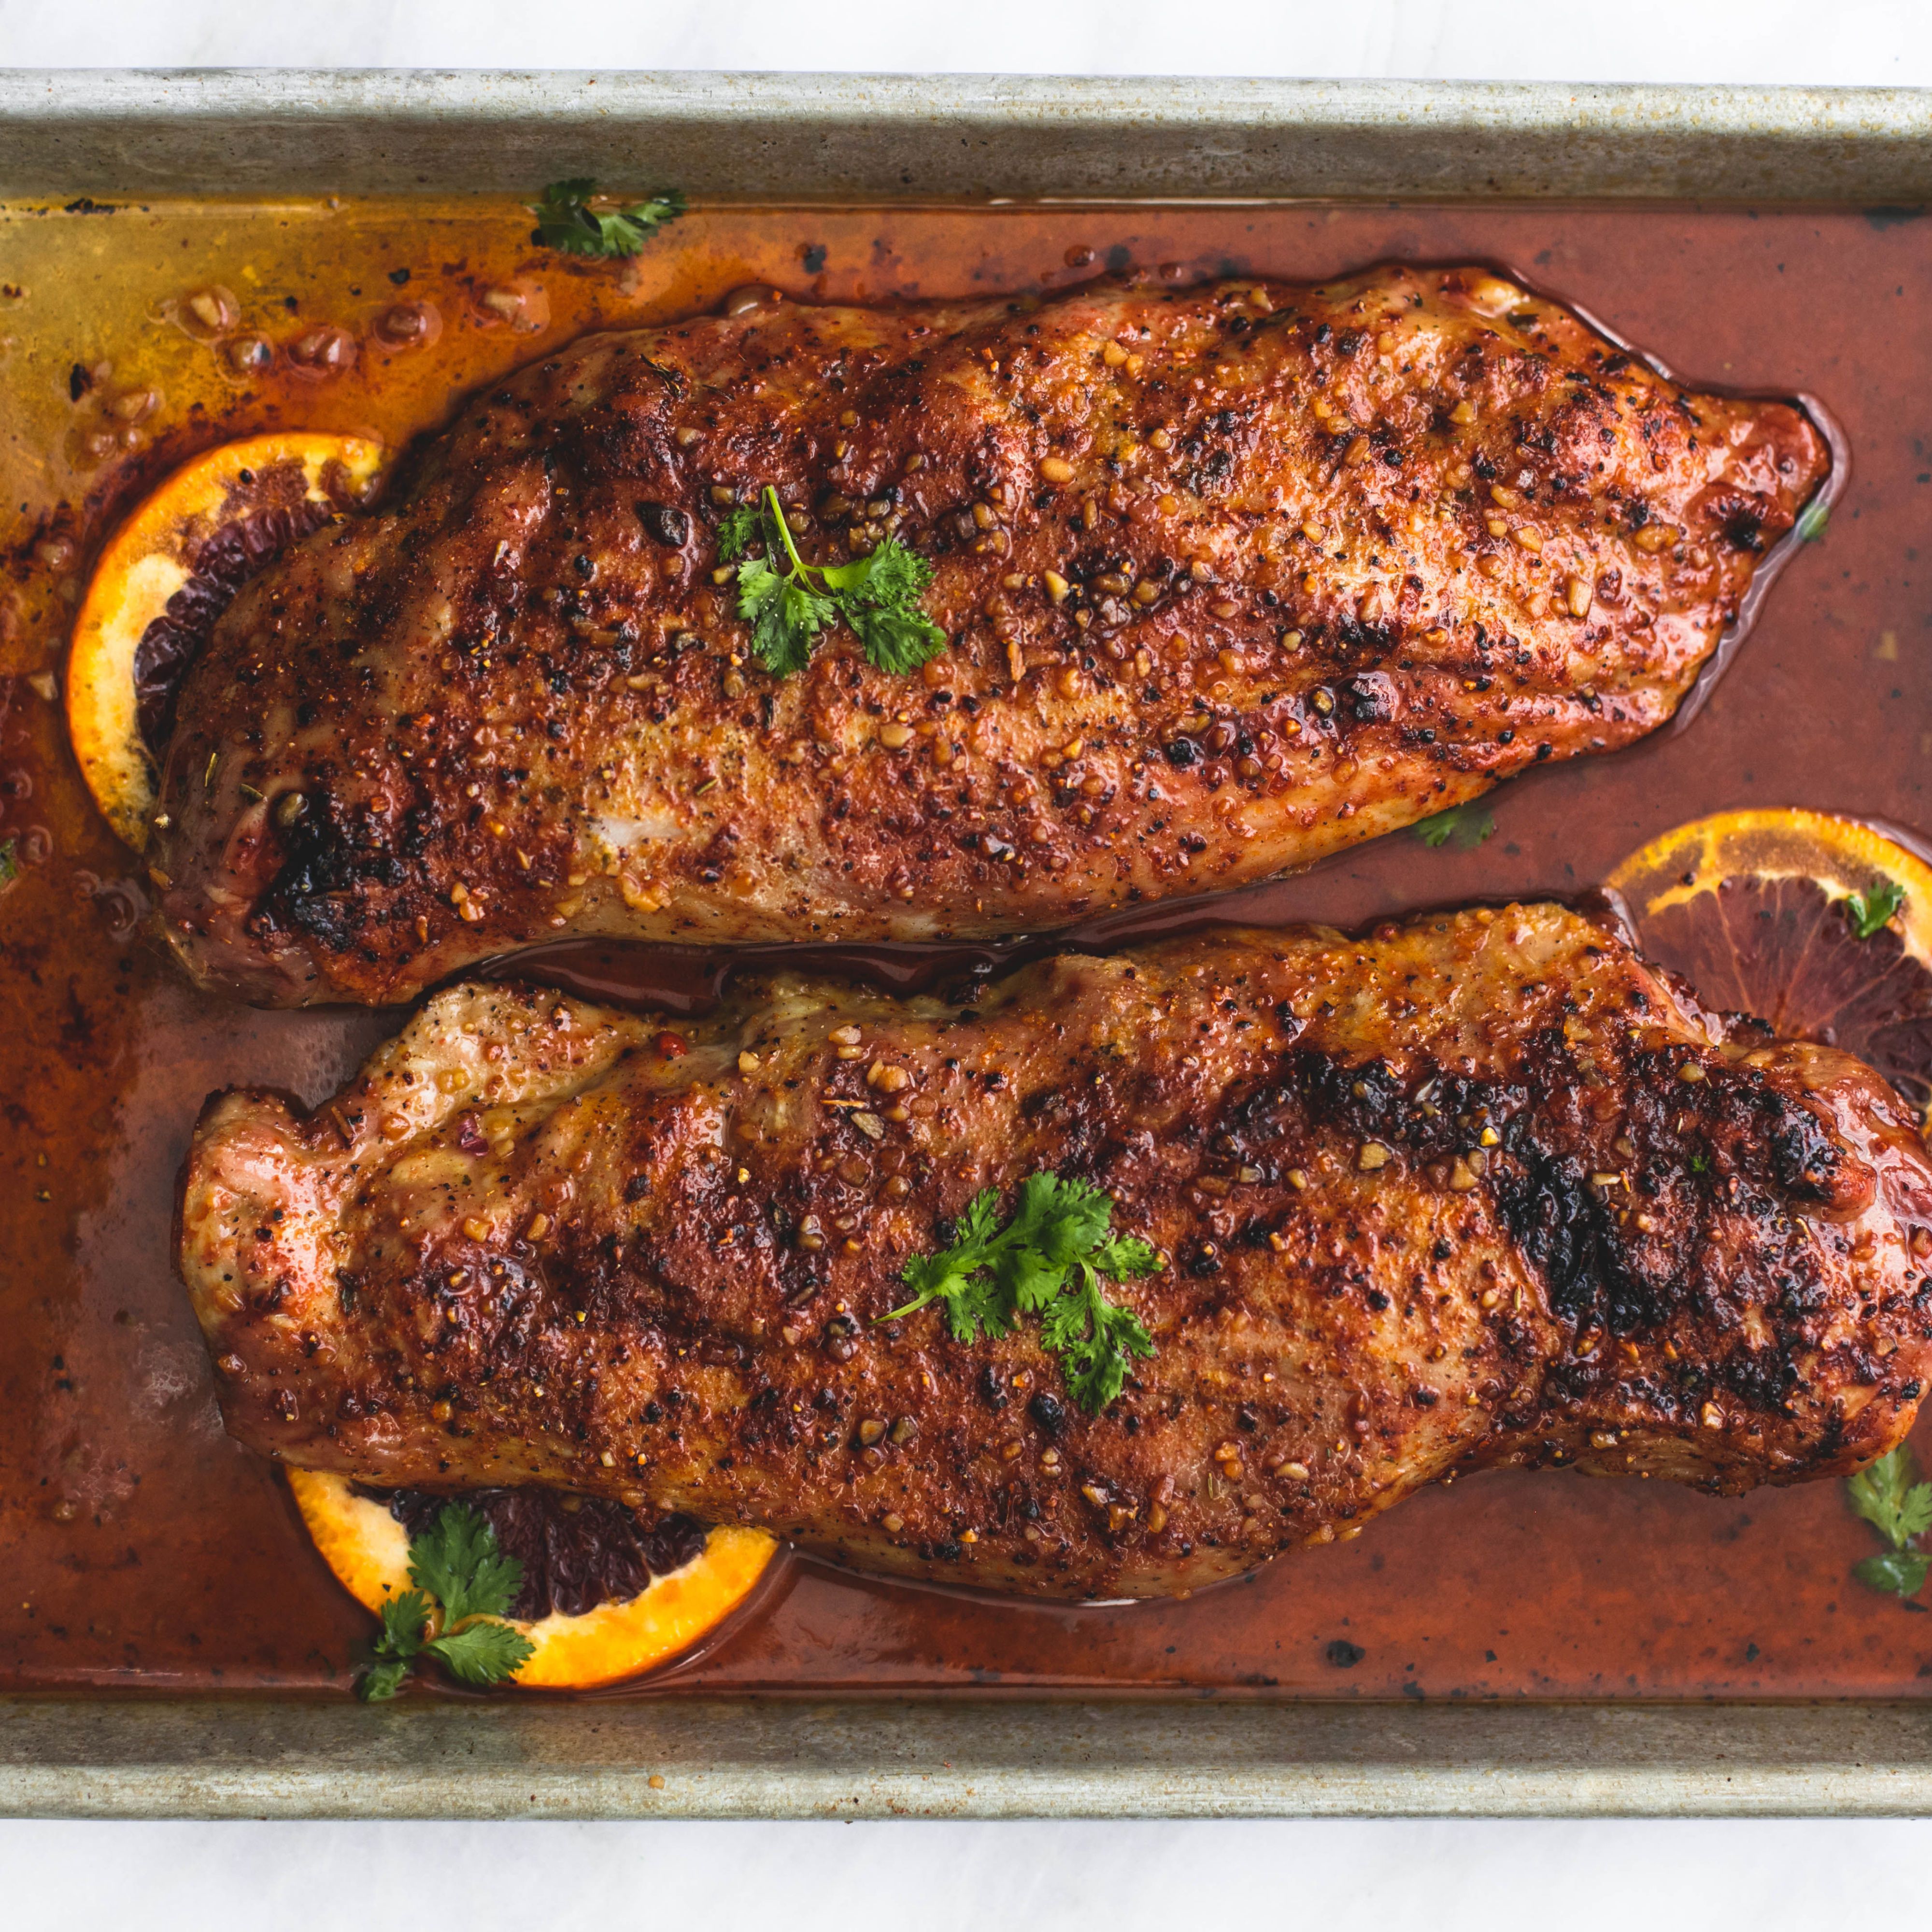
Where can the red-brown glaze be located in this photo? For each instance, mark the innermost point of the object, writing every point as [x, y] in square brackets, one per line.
[149, 1550]
[1235, 577]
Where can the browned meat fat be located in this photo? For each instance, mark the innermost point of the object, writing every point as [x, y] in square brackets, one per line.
[1234, 576]
[1478, 1190]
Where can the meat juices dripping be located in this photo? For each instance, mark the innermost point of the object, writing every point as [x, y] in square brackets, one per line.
[1478, 1190]
[1235, 577]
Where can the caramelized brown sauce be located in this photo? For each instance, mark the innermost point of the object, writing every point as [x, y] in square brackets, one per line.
[141, 1549]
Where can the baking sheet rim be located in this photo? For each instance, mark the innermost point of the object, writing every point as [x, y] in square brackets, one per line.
[866, 1757]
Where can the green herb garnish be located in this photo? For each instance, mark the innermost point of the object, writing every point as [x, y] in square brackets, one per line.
[565, 220]
[1468, 825]
[1870, 912]
[10, 863]
[877, 595]
[1812, 519]
[465, 1586]
[1048, 1261]
[1890, 1497]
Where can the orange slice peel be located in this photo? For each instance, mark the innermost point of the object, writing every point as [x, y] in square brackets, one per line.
[175, 560]
[1819, 924]
[367, 1549]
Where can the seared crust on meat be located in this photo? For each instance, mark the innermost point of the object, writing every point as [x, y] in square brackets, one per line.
[1476, 1190]
[1234, 576]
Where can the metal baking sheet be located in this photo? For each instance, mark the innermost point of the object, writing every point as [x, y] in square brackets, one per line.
[870, 139]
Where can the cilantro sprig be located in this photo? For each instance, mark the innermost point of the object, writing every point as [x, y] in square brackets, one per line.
[1468, 825]
[1048, 1261]
[465, 1585]
[1869, 912]
[565, 220]
[1890, 1497]
[877, 594]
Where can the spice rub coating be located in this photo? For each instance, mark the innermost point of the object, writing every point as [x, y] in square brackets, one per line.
[1234, 576]
[1480, 1190]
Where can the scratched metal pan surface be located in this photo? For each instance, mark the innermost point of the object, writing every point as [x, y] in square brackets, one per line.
[881, 142]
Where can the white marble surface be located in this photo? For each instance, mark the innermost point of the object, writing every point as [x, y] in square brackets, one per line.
[316, 1878]
[1852, 43]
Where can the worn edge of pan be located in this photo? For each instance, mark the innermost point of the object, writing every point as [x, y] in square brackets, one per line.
[792, 137]
[897, 137]
[855, 1758]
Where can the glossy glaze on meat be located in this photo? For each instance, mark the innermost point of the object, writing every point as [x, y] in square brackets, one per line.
[1477, 1190]
[1234, 576]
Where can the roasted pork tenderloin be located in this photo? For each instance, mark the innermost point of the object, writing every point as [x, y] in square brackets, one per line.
[1481, 1190]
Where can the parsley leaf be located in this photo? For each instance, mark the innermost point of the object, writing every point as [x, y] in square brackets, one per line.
[1870, 912]
[565, 220]
[464, 1583]
[1812, 519]
[876, 595]
[1468, 825]
[1048, 1260]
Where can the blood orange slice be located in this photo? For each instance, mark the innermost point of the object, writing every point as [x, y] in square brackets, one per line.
[1820, 926]
[606, 1594]
[168, 573]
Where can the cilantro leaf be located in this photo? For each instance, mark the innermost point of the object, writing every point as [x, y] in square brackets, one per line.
[1812, 521]
[566, 221]
[1048, 1260]
[482, 1652]
[1093, 1341]
[981, 1220]
[1870, 912]
[784, 614]
[1027, 1280]
[738, 530]
[1468, 825]
[466, 1582]
[971, 1300]
[1062, 1219]
[897, 641]
[1888, 1496]
[405, 1619]
[877, 594]
[1125, 1256]
[383, 1679]
[457, 1561]
[1902, 1570]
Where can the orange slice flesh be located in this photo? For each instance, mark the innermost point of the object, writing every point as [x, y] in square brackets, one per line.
[177, 560]
[368, 1549]
[1759, 911]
